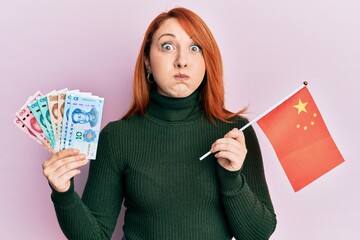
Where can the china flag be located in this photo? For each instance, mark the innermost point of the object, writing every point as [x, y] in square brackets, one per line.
[301, 139]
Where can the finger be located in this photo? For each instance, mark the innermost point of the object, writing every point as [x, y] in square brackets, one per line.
[226, 155]
[226, 144]
[67, 176]
[236, 134]
[64, 163]
[230, 166]
[231, 132]
[241, 137]
[229, 148]
[62, 184]
[229, 161]
[232, 155]
[64, 170]
[61, 154]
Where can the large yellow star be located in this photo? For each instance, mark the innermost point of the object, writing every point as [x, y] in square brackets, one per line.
[301, 106]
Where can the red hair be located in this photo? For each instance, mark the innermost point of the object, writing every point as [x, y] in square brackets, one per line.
[212, 92]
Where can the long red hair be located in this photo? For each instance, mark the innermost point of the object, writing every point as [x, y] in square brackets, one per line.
[212, 92]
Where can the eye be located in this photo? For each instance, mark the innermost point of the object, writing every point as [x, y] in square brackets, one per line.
[195, 48]
[167, 46]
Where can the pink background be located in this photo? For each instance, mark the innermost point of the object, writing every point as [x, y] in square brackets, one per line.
[268, 47]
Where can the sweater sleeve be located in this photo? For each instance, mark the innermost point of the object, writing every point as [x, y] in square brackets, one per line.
[93, 216]
[246, 197]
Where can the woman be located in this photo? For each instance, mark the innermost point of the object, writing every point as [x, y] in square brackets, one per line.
[150, 158]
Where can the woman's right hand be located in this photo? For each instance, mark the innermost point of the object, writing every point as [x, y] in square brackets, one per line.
[62, 166]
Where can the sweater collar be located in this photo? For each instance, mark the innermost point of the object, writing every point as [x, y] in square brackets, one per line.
[174, 109]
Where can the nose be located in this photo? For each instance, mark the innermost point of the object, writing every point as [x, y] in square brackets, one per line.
[181, 60]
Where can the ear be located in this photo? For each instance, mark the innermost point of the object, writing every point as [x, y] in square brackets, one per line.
[147, 65]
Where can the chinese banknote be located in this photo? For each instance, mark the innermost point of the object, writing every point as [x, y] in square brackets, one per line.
[63, 119]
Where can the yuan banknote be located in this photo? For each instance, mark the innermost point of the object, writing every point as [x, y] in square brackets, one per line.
[44, 108]
[64, 135]
[27, 131]
[29, 120]
[64, 124]
[61, 103]
[35, 109]
[52, 100]
[62, 119]
[84, 120]
[53, 106]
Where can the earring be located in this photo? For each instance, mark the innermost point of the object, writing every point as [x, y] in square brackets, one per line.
[148, 78]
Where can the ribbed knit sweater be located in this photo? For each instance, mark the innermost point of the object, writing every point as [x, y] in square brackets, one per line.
[152, 162]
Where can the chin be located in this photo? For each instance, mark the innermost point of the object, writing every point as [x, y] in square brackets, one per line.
[182, 94]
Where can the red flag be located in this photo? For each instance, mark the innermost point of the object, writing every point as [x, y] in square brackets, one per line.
[301, 139]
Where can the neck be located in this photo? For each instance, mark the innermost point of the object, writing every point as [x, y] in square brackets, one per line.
[174, 109]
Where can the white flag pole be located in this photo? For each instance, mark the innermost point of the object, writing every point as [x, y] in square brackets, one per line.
[264, 113]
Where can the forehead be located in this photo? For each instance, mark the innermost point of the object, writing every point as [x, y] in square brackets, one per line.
[170, 26]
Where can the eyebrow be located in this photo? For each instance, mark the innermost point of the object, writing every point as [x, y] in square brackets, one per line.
[167, 34]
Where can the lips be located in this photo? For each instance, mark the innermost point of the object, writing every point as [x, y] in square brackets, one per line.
[181, 76]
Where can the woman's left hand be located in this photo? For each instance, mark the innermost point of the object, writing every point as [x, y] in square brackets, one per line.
[231, 150]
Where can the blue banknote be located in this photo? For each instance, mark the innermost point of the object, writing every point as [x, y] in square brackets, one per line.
[64, 130]
[84, 116]
[64, 134]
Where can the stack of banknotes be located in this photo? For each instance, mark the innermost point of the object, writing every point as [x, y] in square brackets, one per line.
[63, 119]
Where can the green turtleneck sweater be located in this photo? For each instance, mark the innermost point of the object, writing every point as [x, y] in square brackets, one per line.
[152, 162]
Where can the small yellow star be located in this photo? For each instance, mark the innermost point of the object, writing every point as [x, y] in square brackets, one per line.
[314, 115]
[297, 125]
[305, 128]
[301, 106]
[312, 123]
